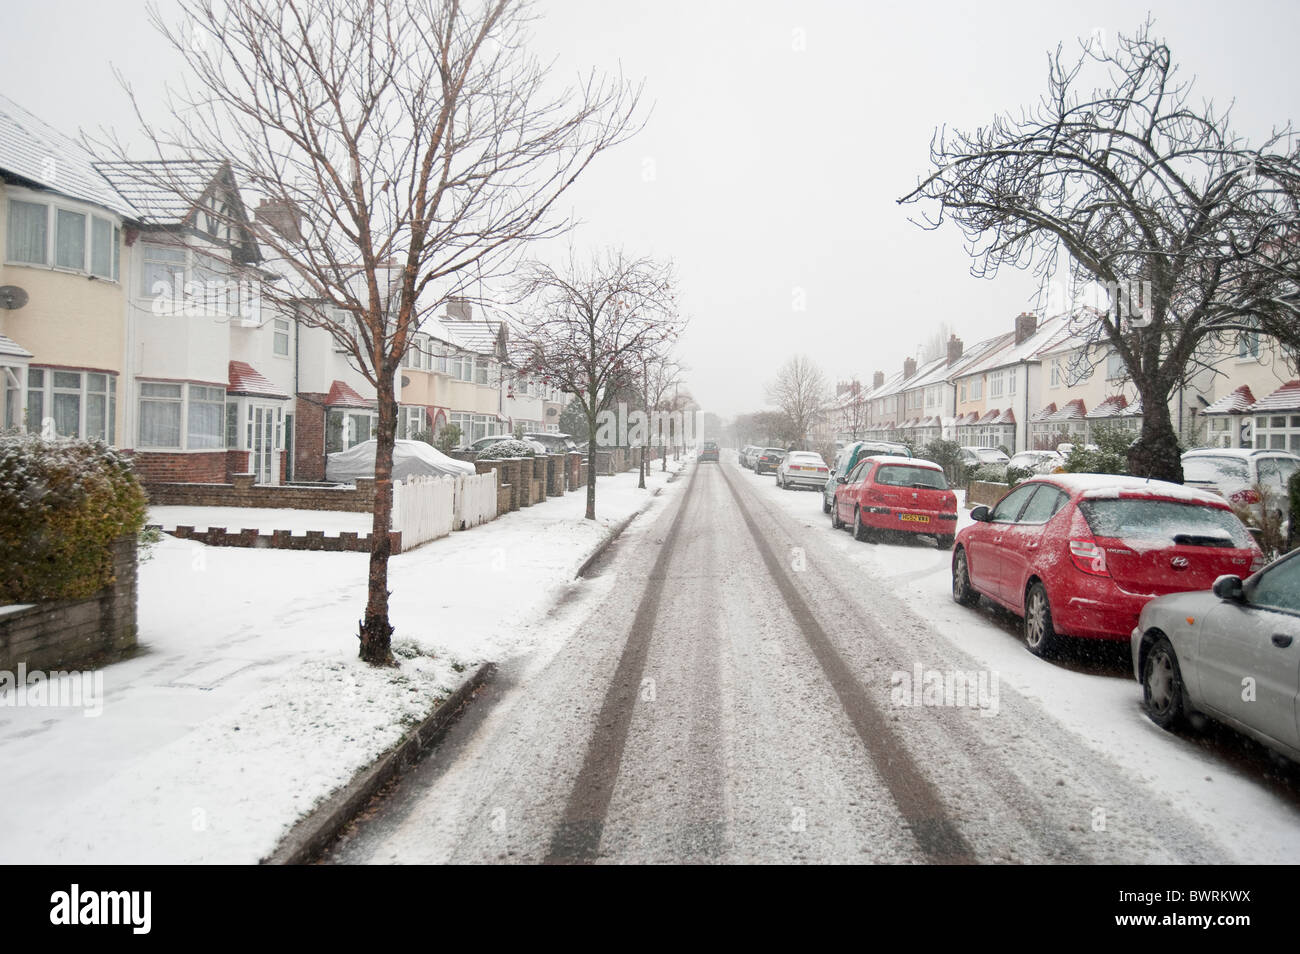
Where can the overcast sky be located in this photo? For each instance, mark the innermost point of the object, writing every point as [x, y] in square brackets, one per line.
[781, 136]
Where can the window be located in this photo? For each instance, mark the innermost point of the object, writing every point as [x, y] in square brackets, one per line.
[1055, 367]
[1011, 381]
[206, 420]
[163, 269]
[1008, 508]
[1279, 587]
[976, 388]
[232, 425]
[481, 371]
[72, 404]
[82, 242]
[28, 232]
[347, 427]
[411, 421]
[1115, 366]
[963, 392]
[1248, 345]
[996, 383]
[160, 414]
[280, 344]
[1043, 505]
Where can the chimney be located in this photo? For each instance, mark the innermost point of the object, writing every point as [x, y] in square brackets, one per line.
[878, 380]
[909, 368]
[459, 309]
[954, 350]
[840, 388]
[280, 216]
[1026, 325]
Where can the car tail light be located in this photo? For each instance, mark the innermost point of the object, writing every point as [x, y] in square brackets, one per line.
[1089, 557]
[874, 494]
[1245, 497]
[1257, 561]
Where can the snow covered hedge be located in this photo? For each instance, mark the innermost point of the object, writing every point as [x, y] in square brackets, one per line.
[62, 503]
[511, 448]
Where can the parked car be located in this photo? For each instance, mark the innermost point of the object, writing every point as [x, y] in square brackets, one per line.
[896, 494]
[1037, 461]
[767, 459]
[554, 442]
[1079, 555]
[1192, 652]
[747, 456]
[1239, 474]
[709, 451]
[848, 458]
[410, 459]
[974, 456]
[801, 469]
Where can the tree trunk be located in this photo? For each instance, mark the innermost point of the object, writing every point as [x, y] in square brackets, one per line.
[663, 458]
[640, 484]
[591, 466]
[1156, 453]
[376, 632]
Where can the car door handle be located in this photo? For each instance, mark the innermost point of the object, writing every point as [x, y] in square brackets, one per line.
[1281, 640]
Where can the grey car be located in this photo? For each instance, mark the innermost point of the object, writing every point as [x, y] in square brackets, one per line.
[1231, 654]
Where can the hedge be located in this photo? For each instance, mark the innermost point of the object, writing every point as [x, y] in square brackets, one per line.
[62, 504]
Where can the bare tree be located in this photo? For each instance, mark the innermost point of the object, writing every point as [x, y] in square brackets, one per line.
[663, 375]
[1189, 228]
[586, 326]
[408, 147]
[800, 391]
[852, 409]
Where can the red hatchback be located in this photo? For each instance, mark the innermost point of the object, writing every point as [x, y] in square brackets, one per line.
[1081, 554]
[896, 494]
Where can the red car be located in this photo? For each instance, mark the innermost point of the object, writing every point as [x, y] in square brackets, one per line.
[1081, 554]
[896, 494]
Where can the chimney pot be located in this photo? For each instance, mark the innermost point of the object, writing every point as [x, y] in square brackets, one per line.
[954, 349]
[1026, 325]
[878, 380]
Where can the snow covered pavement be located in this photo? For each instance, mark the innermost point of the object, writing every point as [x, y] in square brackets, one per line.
[246, 705]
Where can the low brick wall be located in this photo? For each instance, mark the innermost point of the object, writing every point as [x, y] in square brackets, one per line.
[75, 634]
[573, 478]
[242, 492]
[346, 542]
[555, 475]
[984, 492]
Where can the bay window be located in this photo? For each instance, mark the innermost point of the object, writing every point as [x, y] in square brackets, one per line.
[206, 421]
[63, 236]
[161, 407]
[79, 404]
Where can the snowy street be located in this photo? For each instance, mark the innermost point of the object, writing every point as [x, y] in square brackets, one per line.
[729, 694]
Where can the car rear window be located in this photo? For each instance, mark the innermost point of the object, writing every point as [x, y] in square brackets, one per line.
[1165, 520]
[901, 475]
[1212, 470]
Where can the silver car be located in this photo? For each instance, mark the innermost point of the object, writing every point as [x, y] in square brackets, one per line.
[801, 469]
[1231, 654]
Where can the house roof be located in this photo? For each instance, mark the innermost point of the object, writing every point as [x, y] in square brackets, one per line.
[1043, 414]
[990, 416]
[1006, 352]
[1238, 401]
[1007, 417]
[1285, 398]
[35, 151]
[342, 395]
[479, 335]
[12, 349]
[164, 192]
[1075, 410]
[1113, 406]
[246, 379]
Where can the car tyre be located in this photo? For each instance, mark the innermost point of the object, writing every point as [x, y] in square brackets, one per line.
[826, 508]
[1041, 637]
[1162, 686]
[962, 592]
[859, 531]
[944, 542]
[836, 522]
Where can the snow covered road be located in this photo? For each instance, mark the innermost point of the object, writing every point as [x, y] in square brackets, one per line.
[732, 693]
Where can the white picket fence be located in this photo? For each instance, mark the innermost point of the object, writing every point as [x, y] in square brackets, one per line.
[426, 508]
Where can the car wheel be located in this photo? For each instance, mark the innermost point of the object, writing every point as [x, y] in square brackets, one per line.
[836, 522]
[962, 591]
[1041, 638]
[826, 508]
[944, 542]
[1162, 685]
[859, 531]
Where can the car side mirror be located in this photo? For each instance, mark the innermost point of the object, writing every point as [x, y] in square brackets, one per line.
[1229, 587]
[980, 513]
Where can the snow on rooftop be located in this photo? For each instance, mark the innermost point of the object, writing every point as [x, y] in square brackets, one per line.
[1238, 401]
[1103, 486]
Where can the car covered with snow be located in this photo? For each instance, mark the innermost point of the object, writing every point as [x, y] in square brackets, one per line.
[1080, 555]
[801, 469]
[848, 458]
[410, 459]
[1252, 480]
[896, 495]
[1037, 461]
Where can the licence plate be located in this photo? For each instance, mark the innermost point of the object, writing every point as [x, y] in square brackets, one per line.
[914, 518]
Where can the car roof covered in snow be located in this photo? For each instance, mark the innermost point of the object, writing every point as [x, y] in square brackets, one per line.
[1113, 486]
[905, 461]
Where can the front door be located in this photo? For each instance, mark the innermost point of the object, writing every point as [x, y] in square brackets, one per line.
[263, 449]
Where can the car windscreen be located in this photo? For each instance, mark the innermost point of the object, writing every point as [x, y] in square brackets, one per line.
[1169, 521]
[1213, 470]
[773, 452]
[901, 475]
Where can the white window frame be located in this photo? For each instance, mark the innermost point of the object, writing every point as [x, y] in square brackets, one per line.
[91, 214]
[280, 329]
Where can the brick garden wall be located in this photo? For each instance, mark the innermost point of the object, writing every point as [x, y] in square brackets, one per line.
[242, 492]
[309, 437]
[75, 634]
[194, 467]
